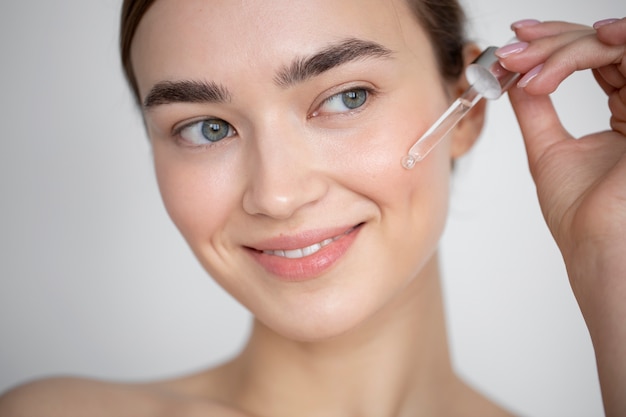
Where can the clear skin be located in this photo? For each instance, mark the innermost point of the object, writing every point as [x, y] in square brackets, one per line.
[366, 335]
[289, 173]
[577, 180]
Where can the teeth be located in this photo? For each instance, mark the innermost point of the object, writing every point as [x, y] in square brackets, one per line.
[309, 250]
[293, 254]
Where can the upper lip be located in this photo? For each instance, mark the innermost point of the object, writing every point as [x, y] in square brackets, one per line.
[301, 239]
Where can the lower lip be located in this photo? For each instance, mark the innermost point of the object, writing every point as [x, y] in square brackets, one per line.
[308, 267]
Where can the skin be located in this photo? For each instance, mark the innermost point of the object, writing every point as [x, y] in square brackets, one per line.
[288, 173]
[366, 335]
[576, 180]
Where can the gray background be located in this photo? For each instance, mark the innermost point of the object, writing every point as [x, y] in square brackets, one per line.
[95, 280]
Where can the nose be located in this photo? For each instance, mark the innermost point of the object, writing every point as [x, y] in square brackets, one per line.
[283, 177]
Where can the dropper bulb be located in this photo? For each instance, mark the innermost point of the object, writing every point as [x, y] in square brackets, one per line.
[487, 79]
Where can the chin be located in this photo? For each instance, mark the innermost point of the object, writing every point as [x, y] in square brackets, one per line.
[325, 315]
[316, 332]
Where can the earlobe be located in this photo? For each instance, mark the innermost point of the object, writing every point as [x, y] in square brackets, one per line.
[468, 130]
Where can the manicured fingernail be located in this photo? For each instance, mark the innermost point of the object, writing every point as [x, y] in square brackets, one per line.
[604, 22]
[524, 23]
[529, 76]
[511, 49]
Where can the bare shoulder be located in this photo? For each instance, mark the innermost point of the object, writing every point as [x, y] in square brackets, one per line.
[468, 401]
[70, 397]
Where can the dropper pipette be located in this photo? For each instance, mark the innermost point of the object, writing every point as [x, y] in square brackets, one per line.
[488, 79]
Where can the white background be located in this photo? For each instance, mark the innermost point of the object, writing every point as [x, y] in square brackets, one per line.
[95, 280]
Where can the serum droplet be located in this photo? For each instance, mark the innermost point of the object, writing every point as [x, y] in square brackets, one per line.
[408, 161]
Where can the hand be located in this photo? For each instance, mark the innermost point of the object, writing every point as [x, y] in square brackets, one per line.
[581, 184]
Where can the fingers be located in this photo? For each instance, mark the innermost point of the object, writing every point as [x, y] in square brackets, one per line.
[539, 122]
[611, 31]
[617, 105]
[547, 54]
[526, 54]
[604, 85]
[552, 51]
[610, 78]
[530, 29]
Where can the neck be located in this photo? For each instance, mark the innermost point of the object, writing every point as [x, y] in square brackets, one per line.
[396, 363]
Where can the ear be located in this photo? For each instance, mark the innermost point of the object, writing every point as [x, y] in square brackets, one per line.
[468, 130]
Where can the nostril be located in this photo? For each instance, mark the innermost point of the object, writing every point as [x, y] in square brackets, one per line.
[280, 196]
[283, 173]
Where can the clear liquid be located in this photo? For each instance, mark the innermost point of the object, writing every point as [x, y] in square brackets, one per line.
[448, 120]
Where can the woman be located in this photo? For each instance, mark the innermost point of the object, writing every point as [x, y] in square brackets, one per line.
[277, 134]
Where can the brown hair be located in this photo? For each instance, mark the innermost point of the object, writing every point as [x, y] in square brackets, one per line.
[443, 21]
[132, 12]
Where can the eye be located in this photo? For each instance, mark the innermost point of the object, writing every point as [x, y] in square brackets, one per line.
[344, 102]
[207, 130]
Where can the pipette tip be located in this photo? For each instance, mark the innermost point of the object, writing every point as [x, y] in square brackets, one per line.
[409, 161]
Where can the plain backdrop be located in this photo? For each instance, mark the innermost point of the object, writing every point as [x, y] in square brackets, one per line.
[95, 280]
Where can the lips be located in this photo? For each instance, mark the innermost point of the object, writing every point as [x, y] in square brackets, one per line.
[308, 250]
[306, 256]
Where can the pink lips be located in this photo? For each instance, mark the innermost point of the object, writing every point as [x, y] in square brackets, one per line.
[305, 256]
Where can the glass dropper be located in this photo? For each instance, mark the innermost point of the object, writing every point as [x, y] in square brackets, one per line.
[488, 79]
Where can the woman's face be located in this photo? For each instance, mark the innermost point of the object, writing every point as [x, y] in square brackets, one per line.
[277, 129]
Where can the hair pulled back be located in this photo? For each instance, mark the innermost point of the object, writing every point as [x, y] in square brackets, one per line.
[443, 21]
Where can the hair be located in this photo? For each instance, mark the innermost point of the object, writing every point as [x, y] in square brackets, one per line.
[443, 21]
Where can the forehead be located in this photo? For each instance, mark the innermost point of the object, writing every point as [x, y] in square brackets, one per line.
[228, 40]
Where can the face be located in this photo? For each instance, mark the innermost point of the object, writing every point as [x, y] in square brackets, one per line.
[277, 130]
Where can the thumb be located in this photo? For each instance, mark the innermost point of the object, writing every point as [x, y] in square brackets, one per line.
[539, 122]
[613, 33]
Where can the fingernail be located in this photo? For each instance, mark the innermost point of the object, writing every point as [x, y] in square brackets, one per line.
[528, 77]
[524, 23]
[604, 22]
[511, 49]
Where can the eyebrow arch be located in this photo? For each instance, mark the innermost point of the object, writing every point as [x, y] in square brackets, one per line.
[300, 70]
[186, 91]
[334, 55]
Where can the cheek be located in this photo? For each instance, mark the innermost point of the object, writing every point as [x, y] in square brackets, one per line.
[376, 154]
[411, 204]
[197, 198]
[373, 167]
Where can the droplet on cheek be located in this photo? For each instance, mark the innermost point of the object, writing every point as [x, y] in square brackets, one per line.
[409, 161]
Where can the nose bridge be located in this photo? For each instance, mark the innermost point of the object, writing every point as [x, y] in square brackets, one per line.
[283, 176]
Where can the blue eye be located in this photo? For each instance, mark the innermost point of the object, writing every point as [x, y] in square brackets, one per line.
[345, 102]
[208, 130]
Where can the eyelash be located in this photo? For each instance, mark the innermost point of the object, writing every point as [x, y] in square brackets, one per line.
[369, 94]
[180, 140]
[178, 130]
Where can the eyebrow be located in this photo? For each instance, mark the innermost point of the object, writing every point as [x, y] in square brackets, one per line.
[186, 91]
[300, 70]
[332, 56]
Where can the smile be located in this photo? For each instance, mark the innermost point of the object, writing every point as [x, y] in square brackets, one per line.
[309, 250]
[304, 256]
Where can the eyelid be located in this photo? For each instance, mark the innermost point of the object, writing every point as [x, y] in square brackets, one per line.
[179, 128]
[341, 89]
